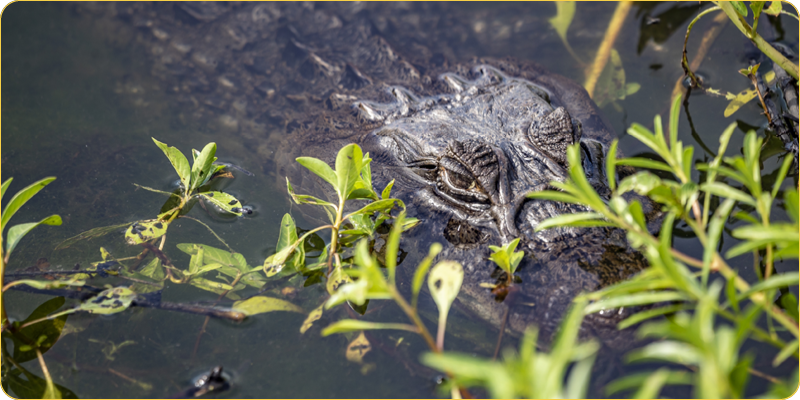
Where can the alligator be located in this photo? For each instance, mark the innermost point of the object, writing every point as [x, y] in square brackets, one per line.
[464, 137]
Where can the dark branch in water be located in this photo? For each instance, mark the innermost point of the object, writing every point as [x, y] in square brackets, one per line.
[149, 300]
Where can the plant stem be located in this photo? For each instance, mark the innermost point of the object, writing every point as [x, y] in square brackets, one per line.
[412, 314]
[601, 58]
[49, 380]
[335, 233]
[758, 41]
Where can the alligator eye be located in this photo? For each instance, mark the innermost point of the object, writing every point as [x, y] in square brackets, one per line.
[427, 169]
[458, 182]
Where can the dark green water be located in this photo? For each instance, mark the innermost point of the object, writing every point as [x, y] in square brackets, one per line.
[80, 107]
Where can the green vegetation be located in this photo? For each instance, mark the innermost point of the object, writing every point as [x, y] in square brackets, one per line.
[708, 352]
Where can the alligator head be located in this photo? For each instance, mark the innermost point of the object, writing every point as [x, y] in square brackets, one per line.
[465, 156]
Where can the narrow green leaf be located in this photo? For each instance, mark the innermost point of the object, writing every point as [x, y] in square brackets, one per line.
[634, 299]
[649, 314]
[687, 161]
[379, 206]
[179, 162]
[422, 270]
[17, 232]
[319, 167]
[109, 301]
[611, 165]
[393, 245]
[773, 282]
[595, 219]
[715, 228]
[635, 380]
[642, 134]
[776, 232]
[674, 115]
[644, 163]
[7, 183]
[787, 162]
[353, 325]
[725, 191]
[578, 177]
[786, 352]
[224, 201]
[730, 291]
[651, 387]
[554, 196]
[579, 378]
[635, 210]
[387, 191]
[677, 352]
[21, 198]
[263, 304]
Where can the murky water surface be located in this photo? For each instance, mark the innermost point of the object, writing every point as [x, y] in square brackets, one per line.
[81, 105]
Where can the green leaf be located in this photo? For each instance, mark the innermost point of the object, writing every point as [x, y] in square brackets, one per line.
[7, 183]
[637, 379]
[674, 115]
[576, 219]
[611, 165]
[216, 287]
[383, 206]
[263, 304]
[224, 201]
[145, 230]
[17, 232]
[202, 169]
[313, 316]
[387, 191]
[715, 228]
[787, 162]
[21, 198]
[774, 9]
[648, 314]
[348, 169]
[354, 325]
[565, 11]
[287, 243]
[773, 282]
[505, 257]
[109, 301]
[725, 191]
[422, 270]
[44, 285]
[739, 7]
[179, 162]
[677, 352]
[644, 163]
[393, 245]
[32, 334]
[554, 196]
[320, 168]
[634, 299]
[786, 352]
[444, 283]
[776, 232]
[651, 387]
